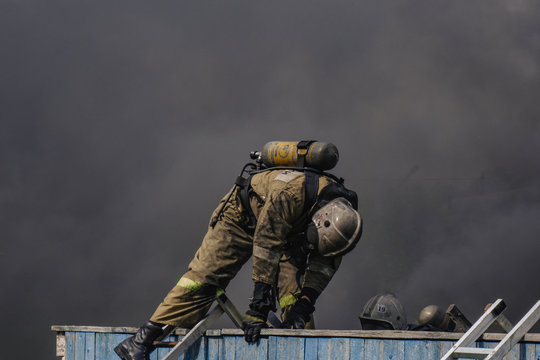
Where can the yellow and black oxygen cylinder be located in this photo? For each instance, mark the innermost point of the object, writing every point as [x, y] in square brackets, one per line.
[315, 154]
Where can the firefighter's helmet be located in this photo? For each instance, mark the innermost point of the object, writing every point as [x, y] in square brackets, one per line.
[433, 315]
[335, 228]
[383, 312]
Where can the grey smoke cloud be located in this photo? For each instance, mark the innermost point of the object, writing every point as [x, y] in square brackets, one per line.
[122, 124]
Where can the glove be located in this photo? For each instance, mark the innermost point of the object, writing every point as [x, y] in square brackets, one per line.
[255, 318]
[252, 327]
[299, 315]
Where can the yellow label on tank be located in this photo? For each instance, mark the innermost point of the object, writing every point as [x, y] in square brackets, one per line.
[283, 153]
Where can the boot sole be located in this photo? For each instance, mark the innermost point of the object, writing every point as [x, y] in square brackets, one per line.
[121, 353]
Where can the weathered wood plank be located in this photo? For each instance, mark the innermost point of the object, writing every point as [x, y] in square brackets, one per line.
[70, 345]
[323, 348]
[212, 352]
[384, 349]
[90, 346]
[333, 348]
[420, 349]
[80, 346]
[444, 347]
[357, 351]
[104, 345]
[290, 348]
[433, 349]
[382, 334]
[213, 332]
[394, 349]
[245, 351]
[373, 347]
[114, 340]
[379, 334]
[228, 348]
[106, 329]
[100, 345]
[340, 346]
[527, 352]
[311, 346]
[272, 348]
[102, 349]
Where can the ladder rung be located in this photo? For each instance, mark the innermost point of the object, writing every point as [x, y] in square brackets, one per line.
[471, 353]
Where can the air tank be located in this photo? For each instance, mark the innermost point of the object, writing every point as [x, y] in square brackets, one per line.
[319, 155]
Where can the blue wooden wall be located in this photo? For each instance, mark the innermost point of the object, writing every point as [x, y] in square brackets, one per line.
[99, 346]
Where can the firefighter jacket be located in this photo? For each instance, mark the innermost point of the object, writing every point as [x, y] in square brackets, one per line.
[277, 200]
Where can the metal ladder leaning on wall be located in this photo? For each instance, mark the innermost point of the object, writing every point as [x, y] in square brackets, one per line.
[463, 347]
[224, 305]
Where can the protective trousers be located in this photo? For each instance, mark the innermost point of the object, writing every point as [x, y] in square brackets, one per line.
[225, 248]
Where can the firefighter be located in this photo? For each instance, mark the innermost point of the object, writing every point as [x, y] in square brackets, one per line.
[296, 223]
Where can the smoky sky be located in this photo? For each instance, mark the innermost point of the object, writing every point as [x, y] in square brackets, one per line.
[123, 123]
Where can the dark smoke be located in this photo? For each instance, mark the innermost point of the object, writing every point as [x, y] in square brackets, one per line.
[122, 123]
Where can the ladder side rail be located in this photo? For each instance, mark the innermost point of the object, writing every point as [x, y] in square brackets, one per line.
[517, 333]
[502, 321]
[194, 334]
[167, 330]
[478, 328]
[230, 310]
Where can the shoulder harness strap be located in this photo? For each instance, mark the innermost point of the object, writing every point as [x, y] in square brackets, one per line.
[301, 151]
[245, 186]
[311, 188]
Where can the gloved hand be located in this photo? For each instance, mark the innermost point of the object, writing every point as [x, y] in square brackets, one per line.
[252, 327]
[299, 315]
[255, 318]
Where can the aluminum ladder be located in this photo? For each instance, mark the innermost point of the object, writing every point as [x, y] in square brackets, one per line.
[224, 305]
[463, 348]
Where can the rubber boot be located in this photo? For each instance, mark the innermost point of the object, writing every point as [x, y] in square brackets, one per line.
[139, 346]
